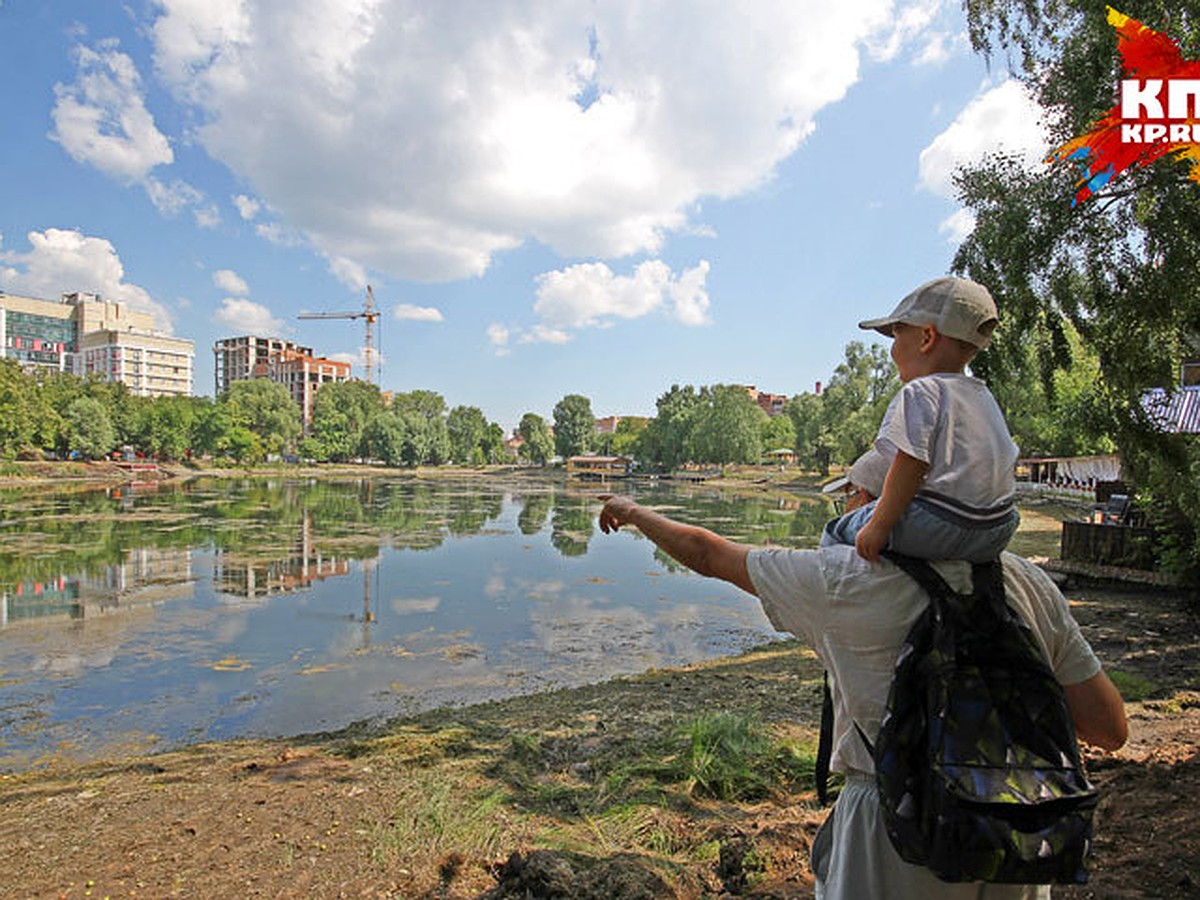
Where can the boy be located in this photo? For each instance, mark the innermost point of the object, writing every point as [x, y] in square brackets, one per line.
[948, 491]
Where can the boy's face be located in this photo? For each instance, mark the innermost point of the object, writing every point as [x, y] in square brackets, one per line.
[907, 341]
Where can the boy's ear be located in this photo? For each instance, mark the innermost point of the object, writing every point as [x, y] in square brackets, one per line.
[929, 337]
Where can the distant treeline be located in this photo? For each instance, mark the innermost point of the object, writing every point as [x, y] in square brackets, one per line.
[52, 413]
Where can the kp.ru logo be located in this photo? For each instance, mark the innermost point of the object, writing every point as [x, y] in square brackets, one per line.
[1158, 113]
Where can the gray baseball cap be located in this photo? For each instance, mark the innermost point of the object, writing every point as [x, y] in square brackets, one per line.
[957, 307]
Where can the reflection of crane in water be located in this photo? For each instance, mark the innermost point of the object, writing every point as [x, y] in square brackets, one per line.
[370, 314]
[370, 566]
[370, 611]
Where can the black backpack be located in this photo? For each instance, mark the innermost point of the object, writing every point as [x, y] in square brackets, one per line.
[979, 772]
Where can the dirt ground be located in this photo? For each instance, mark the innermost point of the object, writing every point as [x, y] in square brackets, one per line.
[524, 798]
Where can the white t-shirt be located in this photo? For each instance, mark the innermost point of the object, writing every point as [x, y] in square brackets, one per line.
[951, 421]
[856, 615]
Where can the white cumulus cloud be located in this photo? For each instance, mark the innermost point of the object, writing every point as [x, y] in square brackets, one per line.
[409, 312]
[421, 139]
[230, 282]
[100, 119]
[1003, 118]
[591, 294]
[247, 317]
[247, 207]
[61, 261]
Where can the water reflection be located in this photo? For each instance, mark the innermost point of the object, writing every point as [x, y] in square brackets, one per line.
[221, 608]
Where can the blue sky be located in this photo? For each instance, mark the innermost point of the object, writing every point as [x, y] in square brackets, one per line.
[547, 198]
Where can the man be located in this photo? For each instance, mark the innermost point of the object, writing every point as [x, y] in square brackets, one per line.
[855, 614]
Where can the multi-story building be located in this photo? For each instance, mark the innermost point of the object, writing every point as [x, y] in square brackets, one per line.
[152, 365]
[87, 335]
[290, 364]
[771, 404]
[38, 332]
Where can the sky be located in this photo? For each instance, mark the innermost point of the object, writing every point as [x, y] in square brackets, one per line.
[546, 198]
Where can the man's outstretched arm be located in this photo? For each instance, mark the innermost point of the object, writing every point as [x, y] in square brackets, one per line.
[701, 550]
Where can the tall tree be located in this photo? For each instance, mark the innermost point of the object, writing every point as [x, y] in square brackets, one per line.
[574, 425]
[165, 427]
[467, 428]
[626, 438]
[21, 404]
[90, 431]
[778, 433]
[813, 447]
[265, 410]
[538, 445]
[666, 440]
[434, 437]
[853, 404]
[727, 426]
[341, 418]
[1122, 267]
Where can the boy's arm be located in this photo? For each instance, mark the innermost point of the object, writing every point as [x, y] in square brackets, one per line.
[699, 549]
[904, 478]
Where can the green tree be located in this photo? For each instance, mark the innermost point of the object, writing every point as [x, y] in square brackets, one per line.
[493, 446]
[434, 435]
[341, 418]
[727, 427]
[574, 425]
[21, 404]
[118, 402]
[90, 431]
[853, 404]
[814, 448]
[666, 439]
[212, 428]
[778, 433]
[538, 446]
[389, 434]
[166, 427]
[266, 410]
[627, 437]
[467, 428]
[57, 390]
[1122, 268]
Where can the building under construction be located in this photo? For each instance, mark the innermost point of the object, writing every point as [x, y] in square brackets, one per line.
[293, 366]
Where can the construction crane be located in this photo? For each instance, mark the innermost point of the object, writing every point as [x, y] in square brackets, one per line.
[368, 313]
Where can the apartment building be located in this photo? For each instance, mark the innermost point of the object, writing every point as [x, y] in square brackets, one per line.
[293, 366]
[771, 404]
[86, 335]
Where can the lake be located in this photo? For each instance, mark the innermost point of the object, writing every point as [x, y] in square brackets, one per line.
[143, 617]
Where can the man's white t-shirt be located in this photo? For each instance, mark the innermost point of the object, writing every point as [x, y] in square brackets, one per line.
[856, 614]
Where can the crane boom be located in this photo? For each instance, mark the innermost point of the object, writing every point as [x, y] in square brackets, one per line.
[369, 313]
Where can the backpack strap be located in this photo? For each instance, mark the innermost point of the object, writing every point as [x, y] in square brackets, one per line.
[824, 744]
[923, 574]
[938, 590]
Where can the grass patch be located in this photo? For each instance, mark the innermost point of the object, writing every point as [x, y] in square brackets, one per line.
[733, 757]
[437, 815]
[1132, 687]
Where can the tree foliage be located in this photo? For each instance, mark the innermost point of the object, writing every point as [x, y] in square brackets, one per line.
[263, 416]
[467, 428]
[1121, 270]
[574, 425]
[89, 428]
[538, 446]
